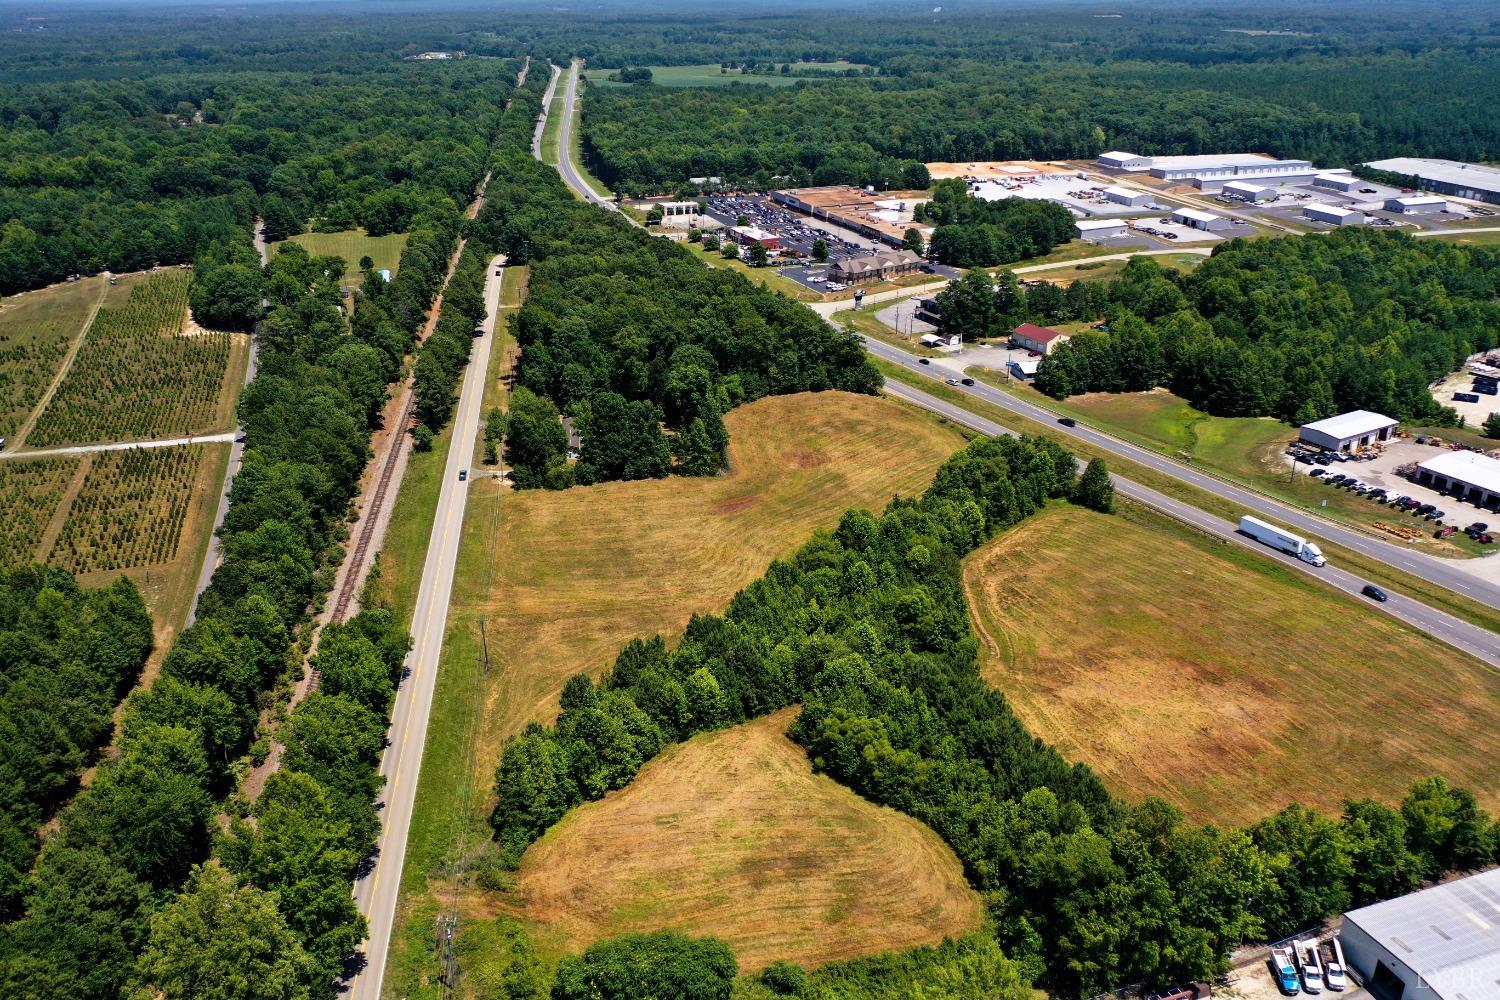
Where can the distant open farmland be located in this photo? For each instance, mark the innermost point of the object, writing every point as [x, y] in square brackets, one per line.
[351, 245]
[704, 75]
[731, 834]
[1179, 667]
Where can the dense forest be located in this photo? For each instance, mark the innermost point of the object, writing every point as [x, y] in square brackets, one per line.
[639, 342]
[1294, 328]
[867, 627]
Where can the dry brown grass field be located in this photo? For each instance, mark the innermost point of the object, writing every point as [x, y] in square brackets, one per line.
[732, 834]
[579, 573]
[1183, 668]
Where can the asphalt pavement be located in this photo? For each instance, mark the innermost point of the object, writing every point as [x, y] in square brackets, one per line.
[376, 893]
[1445, 573]
[565, 165]
[1477, 642]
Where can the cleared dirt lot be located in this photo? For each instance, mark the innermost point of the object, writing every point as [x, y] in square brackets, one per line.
[731, 834]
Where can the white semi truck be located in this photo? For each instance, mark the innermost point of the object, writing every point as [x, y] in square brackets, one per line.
[1285, 541]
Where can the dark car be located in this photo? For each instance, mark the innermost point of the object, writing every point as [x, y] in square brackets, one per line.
[463, 474]
[1479, 526]
[1067, 421]
[1337, 477]
[1374, 593]
[967, 381]
[1318, 472]
[924, 361]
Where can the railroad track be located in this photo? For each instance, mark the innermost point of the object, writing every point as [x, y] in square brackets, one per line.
[367, 529]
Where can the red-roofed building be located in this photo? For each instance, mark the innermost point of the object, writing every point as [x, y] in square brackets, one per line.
[1036, 338]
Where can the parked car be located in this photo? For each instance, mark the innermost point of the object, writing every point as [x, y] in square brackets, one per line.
[1067, 421]
[1374, 593]
[1318, 472]
[1337, 477]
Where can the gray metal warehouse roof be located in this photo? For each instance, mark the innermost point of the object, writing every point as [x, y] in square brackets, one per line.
[1449, 933]
[1471, 175]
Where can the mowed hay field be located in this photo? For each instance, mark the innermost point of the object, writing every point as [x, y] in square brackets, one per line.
[732, 834]
[351, 245]
[577, 574]
[1180, 667]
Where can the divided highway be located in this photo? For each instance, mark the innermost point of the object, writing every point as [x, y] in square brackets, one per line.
[565, 164]
[1477, 642]
[377, 892]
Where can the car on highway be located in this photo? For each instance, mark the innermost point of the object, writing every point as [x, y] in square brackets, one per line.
[463, 474]
[952, 381]
[1067, 421]
[1374, 593]
[967, 381]
[924, 361]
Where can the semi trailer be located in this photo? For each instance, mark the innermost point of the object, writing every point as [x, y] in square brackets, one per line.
[1282, 540]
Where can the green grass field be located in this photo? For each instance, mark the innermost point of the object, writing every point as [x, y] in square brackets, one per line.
[702, 75]
[351, 245]
[1179, 666]
[1248, 450]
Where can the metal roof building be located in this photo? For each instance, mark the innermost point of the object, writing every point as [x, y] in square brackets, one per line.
[1416, 204]
[1461, 180]
[1250, 191]
[1200, 220]
[1349, 431]
[1127, 196]
[1334, 215]
[1467, 475]
[1099, 227]
[1117, 160]
[1439, 944]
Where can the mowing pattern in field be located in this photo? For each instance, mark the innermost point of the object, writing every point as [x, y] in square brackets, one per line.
[130, 510]
[35, 330]
[136, 376]
[732, 834]
[29, 492]
[1181, 668]
[577, 574]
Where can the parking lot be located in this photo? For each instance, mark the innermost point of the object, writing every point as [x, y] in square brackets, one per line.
[797, 233]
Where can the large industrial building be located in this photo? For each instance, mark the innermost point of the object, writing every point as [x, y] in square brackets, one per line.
[1335, 215]
[1460, 180]
[1207, 221]
[1441, 943]
[1337, 180]
[1349, 431]
[1209, 170]
[1467, 475]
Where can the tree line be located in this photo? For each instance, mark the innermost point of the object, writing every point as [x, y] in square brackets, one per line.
[637, 342]
[140, 890]
[1296, 328]
[867, 627]
[974, 232]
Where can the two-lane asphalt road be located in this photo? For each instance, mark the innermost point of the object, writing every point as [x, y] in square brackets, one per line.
[541, 121]
[565, 164]
[1477, 642]
[1451, 574]
[376, 893]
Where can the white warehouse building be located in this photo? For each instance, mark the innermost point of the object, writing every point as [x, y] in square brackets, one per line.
[1200, 220]
[1416, 204]
[1337, 180]
[1467, 475]
[1250, 191]
[1474, 181]
[1349, 431]
[1117, 160]
[1127, 196]
[1441, 943]
[1093, 229]
[1334, 215]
